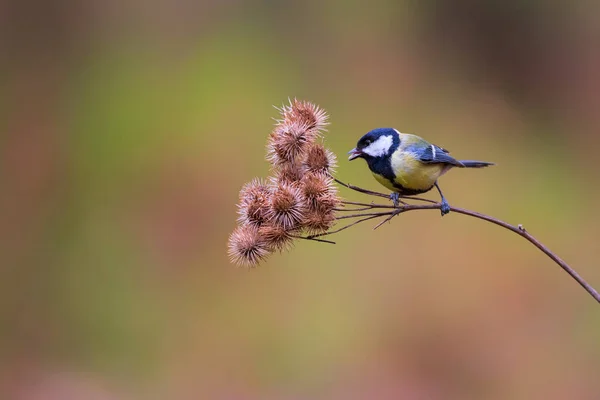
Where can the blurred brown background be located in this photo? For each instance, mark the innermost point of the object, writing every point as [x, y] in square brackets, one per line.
[127, 129]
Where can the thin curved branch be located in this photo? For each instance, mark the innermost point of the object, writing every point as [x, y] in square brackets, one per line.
[361, 190]
[519, 229]
[369, 214]
[311, 237]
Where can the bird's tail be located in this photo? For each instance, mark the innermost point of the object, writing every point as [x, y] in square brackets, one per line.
[475, 164]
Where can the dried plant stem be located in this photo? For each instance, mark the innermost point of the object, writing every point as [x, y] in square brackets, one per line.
[361, 190]
[519, 229]
[367, 205]
[352, 209]
[372, 214]
[312, 237]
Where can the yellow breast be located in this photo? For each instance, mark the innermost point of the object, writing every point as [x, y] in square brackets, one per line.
[412, 173]
[385, 182]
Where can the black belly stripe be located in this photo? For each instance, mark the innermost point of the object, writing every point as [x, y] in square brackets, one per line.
[409, 192]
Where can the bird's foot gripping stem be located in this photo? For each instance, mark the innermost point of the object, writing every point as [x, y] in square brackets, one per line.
[444, 207]
[395, 197]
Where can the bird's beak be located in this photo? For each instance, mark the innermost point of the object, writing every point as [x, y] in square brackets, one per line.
[354, 153]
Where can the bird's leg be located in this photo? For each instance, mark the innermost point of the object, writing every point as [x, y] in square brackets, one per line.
[445, 207]
[395, 197]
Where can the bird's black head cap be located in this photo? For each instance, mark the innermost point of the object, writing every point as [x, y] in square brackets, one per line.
[378, 143]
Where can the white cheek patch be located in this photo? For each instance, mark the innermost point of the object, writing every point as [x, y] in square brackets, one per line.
[380, 147]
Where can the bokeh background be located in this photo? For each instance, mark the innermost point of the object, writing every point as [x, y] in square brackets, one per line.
[128, 128]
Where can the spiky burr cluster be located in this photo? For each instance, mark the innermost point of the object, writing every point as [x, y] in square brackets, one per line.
[298, 197]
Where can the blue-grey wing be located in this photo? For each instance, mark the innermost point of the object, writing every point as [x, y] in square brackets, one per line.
[433, 154]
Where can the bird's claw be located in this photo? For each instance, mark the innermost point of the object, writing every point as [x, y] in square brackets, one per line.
[444, 207]
[395, 197]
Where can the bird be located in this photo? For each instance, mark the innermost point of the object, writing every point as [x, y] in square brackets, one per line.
[407, 164]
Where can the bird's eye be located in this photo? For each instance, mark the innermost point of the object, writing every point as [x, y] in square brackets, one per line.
[367, 142]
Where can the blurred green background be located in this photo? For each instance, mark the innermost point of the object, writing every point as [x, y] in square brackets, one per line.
[128, 128]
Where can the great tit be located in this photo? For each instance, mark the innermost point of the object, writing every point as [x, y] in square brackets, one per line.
[407, 164]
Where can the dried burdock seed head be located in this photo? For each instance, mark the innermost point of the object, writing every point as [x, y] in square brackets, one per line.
[308, 114]
[289, 173]
[327, 203]
[317, 221]
[320, 192]
[253, 206]
[247, 246]
[300, 194]
[277, 237]
[315, 185]
[287, 142]
[322, 199]
[286, 206]
[319, 159]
